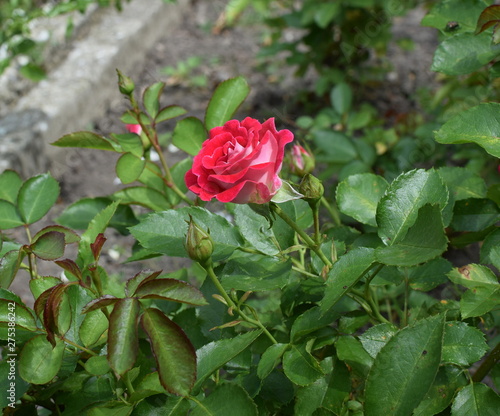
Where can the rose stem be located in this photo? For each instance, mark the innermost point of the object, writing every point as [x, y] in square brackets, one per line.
[312, 245]
[210, 271]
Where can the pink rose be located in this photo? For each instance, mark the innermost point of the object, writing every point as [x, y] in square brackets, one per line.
[240, 162]
[134, 128]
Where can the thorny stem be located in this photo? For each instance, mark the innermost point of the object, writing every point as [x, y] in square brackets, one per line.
[491, 359]
[169, 181]
[210, 271]
[315, 212]
[31, 256]
[308, 240]
[126, 380]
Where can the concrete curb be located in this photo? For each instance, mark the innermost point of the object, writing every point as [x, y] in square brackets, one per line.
[80, 88]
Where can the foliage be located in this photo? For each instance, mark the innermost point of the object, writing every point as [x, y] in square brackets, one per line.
[16, 37]
[338, 296]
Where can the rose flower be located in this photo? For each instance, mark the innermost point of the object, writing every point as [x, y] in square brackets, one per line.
[240, 162]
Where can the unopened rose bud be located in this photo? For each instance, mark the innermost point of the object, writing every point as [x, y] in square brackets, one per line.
[199, 244]
[312, 188]
[134, 128]
[302, 161]
[125, 84]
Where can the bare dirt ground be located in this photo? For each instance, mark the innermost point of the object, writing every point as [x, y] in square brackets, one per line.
[230, 53]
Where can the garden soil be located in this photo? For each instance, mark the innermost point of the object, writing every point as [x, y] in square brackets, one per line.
[221, 53]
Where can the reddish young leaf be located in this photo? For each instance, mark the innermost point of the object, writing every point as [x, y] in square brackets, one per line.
[171, 289]
[174, 353]
[102, 302]
[49, 246]
[96, 246]
[140, 278]
[123, 341]
[70, 266]
[69, 235]
[51, 311]
[489, 17]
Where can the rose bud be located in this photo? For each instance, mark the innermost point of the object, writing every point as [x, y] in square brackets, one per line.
[302, 161]
[125, 84]
[199, 244]
[312, 188]
[134, 128]
[240, 162]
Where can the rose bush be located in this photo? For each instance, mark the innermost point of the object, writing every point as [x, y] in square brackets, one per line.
[240, 162]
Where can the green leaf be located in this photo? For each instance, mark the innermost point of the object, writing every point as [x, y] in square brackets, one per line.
[327, 393]
[462, 183]
[479, 124]
[49, 246]
[41, 284]
[92, 327]
[255, 229]
[375, 338]
[270, 359]
[97, 365]
[36, 196]
[462, 345]
[476, 399]
[9, 266]
[9, 216]
[255, 272]
[429, 275]
[97, 226]
[398, 209]
[10, 183]
[490, 249]
[448, 380]
[79, 214]
[23, 316]
[170, 112]
[325, 13]
[398, 389]
[474, 214]
[144, 196]
[129, 167]
[341, 98]
[310, 321]
[226, 99]
[130, 142]
[224, 400]
[358, 196]
[174, 353]
[86, 140]
[335, 146]
[214, 355]
[300, 366]
[479, 301]
[351, 351]
[473, 275]
[345, 273]
[123, 342]
[189, 134]
[171, 289]
[165, 232]
[151, 98]
[464, 13]
[425, 240]
[464, 53]
[39, 362]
